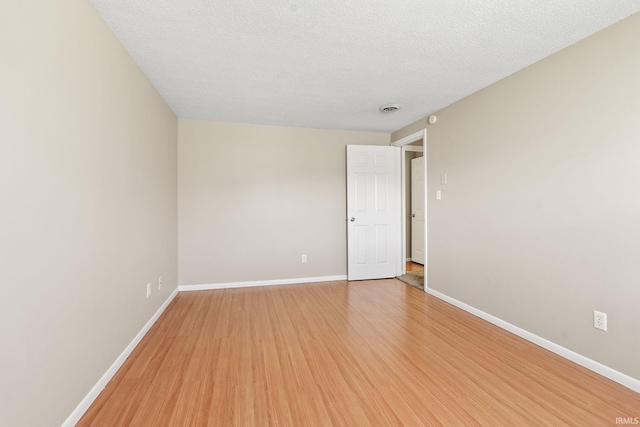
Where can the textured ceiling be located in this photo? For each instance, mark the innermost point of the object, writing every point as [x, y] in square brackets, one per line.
[332, 63]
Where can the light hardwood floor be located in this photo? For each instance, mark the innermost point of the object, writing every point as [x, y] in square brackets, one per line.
[369, 353]
[413, 266]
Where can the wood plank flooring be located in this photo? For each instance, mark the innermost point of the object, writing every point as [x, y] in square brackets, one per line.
[413, 266]
[369, 353]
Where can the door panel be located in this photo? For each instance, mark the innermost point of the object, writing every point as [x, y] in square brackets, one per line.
[372, 211]
[417, 210]
[381, 244]
[361, 192]
[381, 192]
[361, 244]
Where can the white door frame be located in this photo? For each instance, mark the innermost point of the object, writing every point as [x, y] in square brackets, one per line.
[403, 143]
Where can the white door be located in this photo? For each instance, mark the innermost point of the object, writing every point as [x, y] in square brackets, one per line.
[417, 210]
[372, 211]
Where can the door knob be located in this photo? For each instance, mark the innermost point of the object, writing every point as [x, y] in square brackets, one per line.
[413, 215]
[352, 219]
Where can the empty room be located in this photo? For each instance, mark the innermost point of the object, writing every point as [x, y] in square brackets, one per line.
[305, 213]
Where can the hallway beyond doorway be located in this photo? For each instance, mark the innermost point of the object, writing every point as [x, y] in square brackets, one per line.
[413, 266]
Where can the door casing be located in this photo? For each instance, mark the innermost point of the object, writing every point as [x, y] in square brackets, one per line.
[403, 143]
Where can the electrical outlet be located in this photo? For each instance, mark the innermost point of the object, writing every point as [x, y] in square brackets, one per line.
[160, 282]
[148, 290]
[304, 257]
[600, 320]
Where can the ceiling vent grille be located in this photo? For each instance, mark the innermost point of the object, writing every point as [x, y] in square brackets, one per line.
[390, 108]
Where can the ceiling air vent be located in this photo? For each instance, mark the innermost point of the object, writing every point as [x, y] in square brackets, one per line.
[390, 108]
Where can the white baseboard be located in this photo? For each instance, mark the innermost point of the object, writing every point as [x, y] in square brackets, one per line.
[408, 259]
[104, 380]
[207, 287]
[599, 368]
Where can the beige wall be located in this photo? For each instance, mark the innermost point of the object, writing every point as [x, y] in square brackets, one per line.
[253, 198]
[539, 223]
[88, 206]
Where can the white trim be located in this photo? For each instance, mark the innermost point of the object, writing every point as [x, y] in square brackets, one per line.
[408, 260]
[104, 380]
[414, 148]
[403, 143]
[207, 287]
[597, 367]
[421, 134]
[402, 268]
[400, 213]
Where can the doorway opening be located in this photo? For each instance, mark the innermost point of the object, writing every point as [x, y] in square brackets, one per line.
[413, 233]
